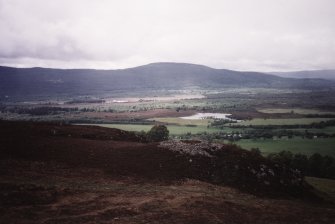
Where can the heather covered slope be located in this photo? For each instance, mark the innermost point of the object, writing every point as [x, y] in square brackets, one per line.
[53, 173]
[124, 153]
[45, 82]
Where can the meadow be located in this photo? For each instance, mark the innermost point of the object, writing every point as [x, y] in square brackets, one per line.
[324, 146]
[282, 121]
[173, 129]
[294, 110]
[324, 185]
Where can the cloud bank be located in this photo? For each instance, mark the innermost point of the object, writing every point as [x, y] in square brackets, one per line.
[263, 35]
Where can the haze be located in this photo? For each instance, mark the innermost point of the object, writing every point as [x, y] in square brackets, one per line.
[262, 35]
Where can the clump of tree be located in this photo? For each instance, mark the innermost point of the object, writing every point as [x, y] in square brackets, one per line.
[158, 133]
[220, 123]
[256, 151]
[316, 165]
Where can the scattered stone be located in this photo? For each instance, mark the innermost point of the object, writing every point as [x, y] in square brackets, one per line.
[191, 148]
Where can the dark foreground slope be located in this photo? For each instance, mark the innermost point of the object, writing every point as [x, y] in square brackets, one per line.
[52, 173]
[45, 82]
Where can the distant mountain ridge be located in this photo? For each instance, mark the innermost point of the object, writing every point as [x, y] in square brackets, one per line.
[322, 74]
[49, 82]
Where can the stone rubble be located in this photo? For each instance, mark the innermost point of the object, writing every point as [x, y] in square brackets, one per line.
[259, 171]
[192, 148]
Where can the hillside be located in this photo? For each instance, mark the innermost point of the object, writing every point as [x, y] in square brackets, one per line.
[321, 74]
[52, 173]
[45, 82]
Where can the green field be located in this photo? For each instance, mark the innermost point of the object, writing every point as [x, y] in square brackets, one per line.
[173, 129]
[283, 121]
[327, 130]
[294, 110]
[325, 146]
[326, 186]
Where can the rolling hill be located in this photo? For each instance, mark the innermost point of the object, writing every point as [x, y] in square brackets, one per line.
[47, 82]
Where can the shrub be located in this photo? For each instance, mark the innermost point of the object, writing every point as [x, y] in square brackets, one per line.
[158, 133]
[256, 151]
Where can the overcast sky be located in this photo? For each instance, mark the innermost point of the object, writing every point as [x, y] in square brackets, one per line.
[262, 35]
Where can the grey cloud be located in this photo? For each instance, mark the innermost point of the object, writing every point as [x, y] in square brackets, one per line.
[236, 34]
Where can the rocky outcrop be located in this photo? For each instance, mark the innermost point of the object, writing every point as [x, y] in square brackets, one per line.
[229, 164]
